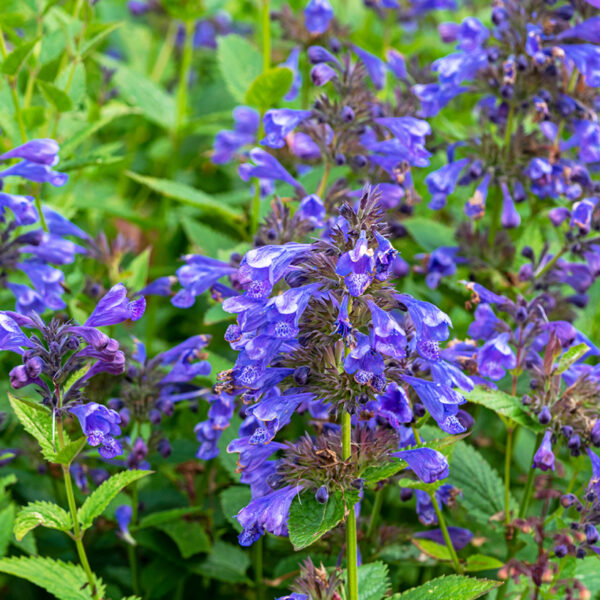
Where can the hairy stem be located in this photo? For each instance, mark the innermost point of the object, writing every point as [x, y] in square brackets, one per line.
[184, 76]
[258, 569]
[529, 484]
[510, 437]
[351, 543]
[375, 512]
[438, 511]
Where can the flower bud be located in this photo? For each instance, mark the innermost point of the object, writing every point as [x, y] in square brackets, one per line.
[591, 534]
[560, 550]
[164, 447]
[544, 416]
[322, 495]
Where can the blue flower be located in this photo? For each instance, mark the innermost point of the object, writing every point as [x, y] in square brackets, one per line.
[322, 73]
[365, 363]
[510, 216]
[246, 122]
[458, 67]
[278, 122]
[266, 167]
[356, 266]
[434, 97]
[495, 356]
[586, 59]
[387, 337]
[428, 465]
[42, 151]
[544, 458]
[484, 324]
[375, 66]
[312, 209]
[123, 516]
[396, 63]
[36, 172]
[291, 62]
[22, 207]
[475, 206]
[317, 15]
[588, 30]
[441, 263]
[471, 34]
[393, 406]
[99, 424]
[459, 536]
[114, 307]
[441, 183]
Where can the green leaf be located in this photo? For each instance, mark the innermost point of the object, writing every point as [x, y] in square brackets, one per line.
[70, 451]
[5, 482]
[481, 562]
[189, 536]
[37, 421]
[571, 356]
[46, 514]
[100, 498]
[505, 405]
[269, 88]
[587, 572]
[7, 518]
[233, 499]
[432, 549]
[204, 238]
[451, 587]
[14, 61]
[216, 314]
[373, 581]
[483, 490]
[95, 34]
[240, 63]
[429, 234]
[165, 516]
[136, 274]
[59, 99]
[188, 195]
[226, 562]
[75, 81]
[63, 580]
[309, 520]
[152, 100]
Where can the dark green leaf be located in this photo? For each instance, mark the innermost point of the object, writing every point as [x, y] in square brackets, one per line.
[233, 499]
[226, 562]
[451, 587]
[432, 549]
[165, 516]
[429, 234]
[188, 535]
[373, 581]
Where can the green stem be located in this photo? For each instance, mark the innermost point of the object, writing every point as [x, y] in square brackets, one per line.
[258, 569]
[131, 550]
[184, 76]
[375, 512]
[265, 18]
[12, 84]
[323, 183]
[508, 131]
[351, 540]
[507, 460]
[162, 60]
[529, 484]
[457, 566]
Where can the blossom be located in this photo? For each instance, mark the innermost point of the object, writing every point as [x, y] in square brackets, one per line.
[312, 209]
[365, 363]
[280, 122]
[99, 424]
[393, 406]
[441, 183]
[387, 337]
[495, 356]
[544, 458]
[322, 73]
[459, 536]
[375, 67]
[265, 167]
[428, 465]
[291, 63]
[114, 307]
[317, 15]
[356, 266]
[227, 142]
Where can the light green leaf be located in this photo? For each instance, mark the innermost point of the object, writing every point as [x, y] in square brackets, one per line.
[59, 99]
[226, 562]
[309, 520]
[373, 581]
[136, 274]
[269, 88]
[189, 536]
[165, 516]
[503, 404]
[7, 517]
[70, 451]
[76, 82]
[483, 490]
[204, 238]
[95, 34]
[571, 356]
[429, 234]
[216, 314]
[46, 514]
[152, 100]
[587, 572]
[451, 587]
[64, 581]
[14, 61]
[240, 63]
[432, 549]
[100, 498]
[37, 421]
[481, 562]
[188, 195]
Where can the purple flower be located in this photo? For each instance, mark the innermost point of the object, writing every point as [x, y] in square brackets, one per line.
[365, 363]
[41, 151]
[393, 406]
[471, 34]
[266, 167]
[510, 216]
[460, 537]
[434, 97]
[22, 207]
[36, 172]
[114, 307]
[100, 425]
[441, 183]
[267, 513]
[495, 356]
[387, 337]
[303, 146]
[279, 122]
[588, 30]
[396, 63]
[544, 458]
[581, 215]
[484, 324]
[356, 266]
[317, 15]
[291, 63]
[312, 209]
[428, 465]
[586, 58]
[246, 122]
[458, 67]
[475, 206]
[441, 263]
[375, 67]
[318, 54]
[322, 73]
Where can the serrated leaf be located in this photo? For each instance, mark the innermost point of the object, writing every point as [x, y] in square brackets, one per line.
[7, 517]
[503, 404]
[153, 101]
[14, 61]
[59, 99]
[482, 562]
[46, 514]
[188, 195]
[226, 562]
[37, 421]
[429, 234]
[373, 581]
[451, 587]
[483, 490]
[233, 499]
[100, 498]
[571, 356]
[309, 520]
[189, 536]
[70, 451]
[269, 88]
[164, 516]
[432, 549]
[64, 581]
[240, 64]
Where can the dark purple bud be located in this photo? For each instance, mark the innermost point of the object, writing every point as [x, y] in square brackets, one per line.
[347, 114]
[301, 375]
[34, 366]
[125, 416]
[358, 483]
[595, 433]
[406, 494]
[115, 404]
[322, 73]
[567, 431]
[545, 416]
[359, 161]
[567, 500]
[73, 342]
[560, 550]
[165, 406]
[574, 442]
[419, 410]
[528, 253]
[340, 159]
[322, 495]
[164, 447]
[154, 416]
[590, 496]
[98, 476]
[580, 553]
[499, 15]
[574, 525]
[525, 400]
